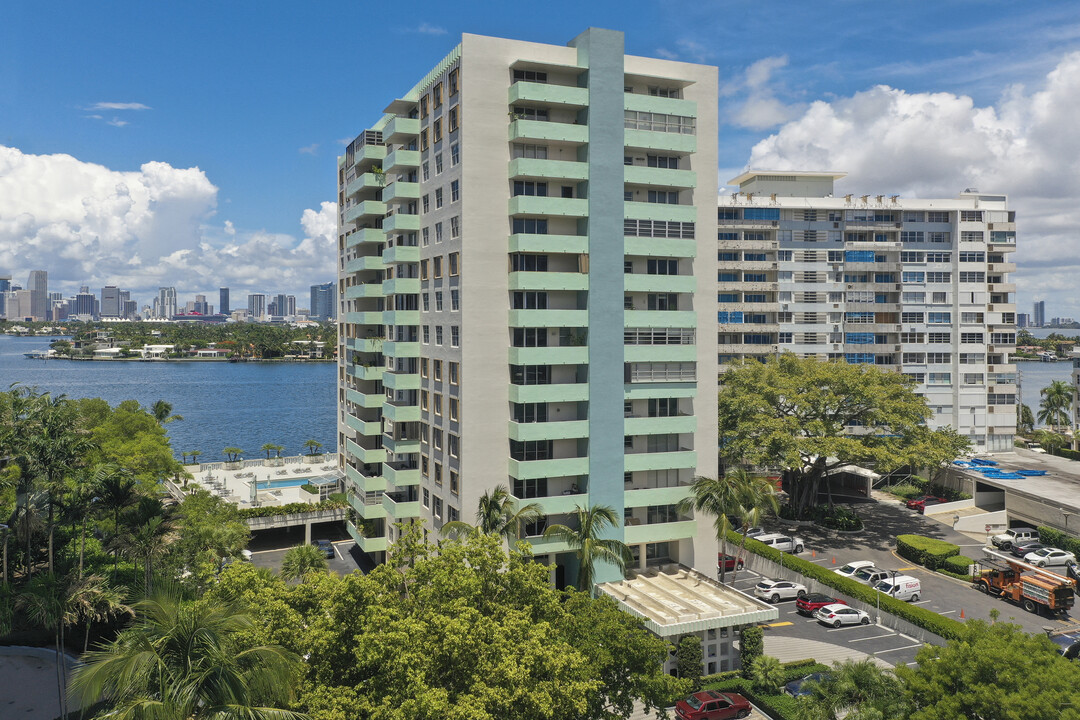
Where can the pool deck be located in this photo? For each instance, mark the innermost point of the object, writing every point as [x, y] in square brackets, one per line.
[235, 486]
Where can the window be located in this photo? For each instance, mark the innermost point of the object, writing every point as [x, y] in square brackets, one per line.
[455, 228]
[912, 337]
[529, 412]
[438, 198]
[455, 299]
[425, 202]
[911, 216]
[938, 257]
[539, 152]
[524, 262]
[916, 358]
[454, 81]
[914, 297]
[452, 442]
[436, 130]
[424, 269]
[939, 337]
[453, 373]
[940, 379]
[436, 509]
[937, 217]
[424, 106]
[532, 226]
[939, 358]
[972, 276]
[452, 120]
[911, 317]
[972, 338]
[911, 256]
[528, 187]
[938, 277]
[423, 367]
[425, 140]
[427, 334]
[663, 301]
[436, 95]
[658, 122]
[971, 216]
[971, 317]
[530, 450]
[911, 236]
[658, 229]
[438, 301]
[938, 297]
[529, 337]
[425, 400]
[455, 486]
[454, 260]
[663, 161]
[939, 237]
[425, 234]
[438, 232]
[913, 277]
[1003, 338]
[662, 266]
[438, 164]
[455, 190]
[455, 154]
[454, 403]
[972, 378]
[426, 300]
[528, 113]
[664, 197]
[427, 171]
[436, 404]
[427, 495]
[455, 336]
[664, 92]
[972, 236]
[530, 76]
[939, 318]
[436, 267]
[438, 334]
[436, 439]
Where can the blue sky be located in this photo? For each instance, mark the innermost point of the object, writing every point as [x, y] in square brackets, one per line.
[259, 95]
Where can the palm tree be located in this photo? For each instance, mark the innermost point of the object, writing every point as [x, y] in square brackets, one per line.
[233, 453]
[83, 500]
[189, 661]
[497, 513]
[268, 448]
[92, 600]
[588, 542]
[1027, 420]
[767, 674]
[858, 686]
[754, 496]
[116, 489]
[301, 560]
[1054, 408]
[313, 446]
[147, 542]
[717, 497]
[195, 455]
[162, 412]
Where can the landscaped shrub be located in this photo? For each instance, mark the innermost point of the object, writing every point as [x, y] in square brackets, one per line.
[948, 493]
[310, 488]
[688, 657]
[840, 518]
[780, 705]
[958, 565]
[906, 491]
[290, 509]
[1056, 538]
[926, 619]
[928, 552]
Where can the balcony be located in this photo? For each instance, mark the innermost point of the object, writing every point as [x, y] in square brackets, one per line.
[660, 247]
[400, 505]
[401, 222]
[369, 345]
[660, 318]
[659, 177]
[370, 428]
[372, 210]
[369, 317]
[546, 546]
[366, 181]
[660, 353]
[369, 156]
[660, 211]
[364, 483]
[526, 242]
[682, 458]
[644, 497]
[367, 262]
[401, 474]
[659, 425]
[365, 235]
[401, 130]
[401, 317]
[564, 392]
[548, 169]
[544, 94]
[363, 454]
[401, 381]
[368, 511]
[638, 282]
[662, 105]
[401, 191]
[401, 254]
[400, 160]
[531, 469]
[401, 349]
[402, 446]
[557, 355]
[659, 532]
[400, 286]
[363, 290]
[365, 400]
[556, 504]
[401, 413]
[548, 281]
[549, 318]
[369, 545]
[555, 131]
[652, 140]
[556, 430]
[548, 206]
[365, 372]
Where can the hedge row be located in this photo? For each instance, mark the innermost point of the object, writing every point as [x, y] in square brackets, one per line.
[921, 617]
[290, 509]
[928, 552]
[958, 565]
[1058, 539]
[780, 706]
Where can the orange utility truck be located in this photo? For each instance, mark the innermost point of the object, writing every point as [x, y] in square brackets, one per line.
[1033, 588]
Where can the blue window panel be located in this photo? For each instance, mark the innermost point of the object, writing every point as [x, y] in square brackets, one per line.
[858, 358]
[727, 236]
[761, 214]
[939, 318]
[884, 277]
[736, 316]
[727, 277]
[727, 297]
[914, 277]
[856, 316]
[859, 338]
[881, 298]
[859, 255]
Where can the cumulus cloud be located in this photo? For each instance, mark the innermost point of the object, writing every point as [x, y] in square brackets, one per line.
[688, 50]
[937, 144]
[118, 106]
[427, 29]
[90, 225]
[759, 109]
[310, 149]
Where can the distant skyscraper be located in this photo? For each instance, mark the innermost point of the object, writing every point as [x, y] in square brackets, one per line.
[290, 305]
[1039, 318]
[5, 288]
[110, 302]
[257, 306]
[84, 304]
[201, 306]
[166, 302]
[38, 285]
[39, 280]
[223, 301]
[323, 301]
[1022, 320]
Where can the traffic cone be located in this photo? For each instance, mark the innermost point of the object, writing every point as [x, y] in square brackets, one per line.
[834, 561]
[961, 613]
[813, 553]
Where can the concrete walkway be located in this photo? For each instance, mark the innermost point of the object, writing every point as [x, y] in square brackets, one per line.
[789, 649]
[28, 684]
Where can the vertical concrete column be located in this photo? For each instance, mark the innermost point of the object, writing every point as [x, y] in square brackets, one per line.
[307, 532]
[601, 53]
[641, 557]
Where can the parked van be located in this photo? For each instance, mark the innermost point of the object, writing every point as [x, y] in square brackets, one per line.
[901, 587]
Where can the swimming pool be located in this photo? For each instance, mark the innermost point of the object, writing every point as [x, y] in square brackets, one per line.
[283, 483]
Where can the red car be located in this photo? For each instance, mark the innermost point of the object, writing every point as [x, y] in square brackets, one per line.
[712, 705]
[728, 562]
[922, 501]
[810, 604]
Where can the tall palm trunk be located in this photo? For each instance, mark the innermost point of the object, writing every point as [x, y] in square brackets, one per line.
[52, 524]
[26, 522]
[742, 551]
[116, 550]
[82, 546]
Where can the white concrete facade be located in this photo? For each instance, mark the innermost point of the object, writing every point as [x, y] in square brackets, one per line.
[917, 285]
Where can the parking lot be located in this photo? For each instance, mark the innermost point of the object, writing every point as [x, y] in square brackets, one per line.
[947, 596]
[268, 547]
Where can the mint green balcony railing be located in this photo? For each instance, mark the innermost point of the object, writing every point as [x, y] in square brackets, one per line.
[659, 425]
[365, 455]
[365, 372]
[571, 355]
[658, 460]
[556, 504]
[565, 392]
[401, 317]
[367, 209]
[652, 140]
[366, 345]
[660, 247]
[660, 353]
[401, 191]
[401, 349]
[401, 413]
[401, 381]
[364, 483]
[369, 545]
[526, 242]
[401, 130]
[401, 254]
[540, 130]
[660, 177]
[369, 182]
[364, 427]
[660, 211]
[656, 496]
[549, 318]
[366, 235]
[363, 290]
[548, 281]
[662, 105]
[545, 94]
[367, 317]
[368, 512]
[638, 282]
[548, 169]
[548, 206]
[546, 546]
[401, 475]
[401, 160]
[365, 400]
[659, 532]
[360, 264]
[400, 286]
[560, 430]
[660, 318]
[530, 469]
[369, 156]
[400, 510]
[401, 447]
[401, 222]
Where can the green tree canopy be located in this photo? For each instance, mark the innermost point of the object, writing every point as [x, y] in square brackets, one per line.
[301, 560]
[812, 416]
[132, 438]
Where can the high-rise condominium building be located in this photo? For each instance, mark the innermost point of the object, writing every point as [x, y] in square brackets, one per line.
[257, 306]
[38, 285]
[525, 247]
[166, 306]
[323, 301]
[919, 286]
[1039, 316]
[223, 301]
[111, 305]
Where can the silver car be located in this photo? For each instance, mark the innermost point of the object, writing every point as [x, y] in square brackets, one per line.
[783, 543]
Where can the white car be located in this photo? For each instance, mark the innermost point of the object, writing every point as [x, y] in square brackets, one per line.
[870, 575]
[777, 590]
[783, 543]
[837, 615]
[853, 567]
[1050, 556]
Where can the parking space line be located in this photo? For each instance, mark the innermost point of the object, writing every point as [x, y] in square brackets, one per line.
[849, 627]
[945, 612]
[921, 602]
[904, 569]
[907, 637]
[874, 637]
[906, 647]
[783, 623]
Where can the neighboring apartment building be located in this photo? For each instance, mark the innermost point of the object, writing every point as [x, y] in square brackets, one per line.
[1039, 314]
[528, 295]
[323, 301]
[921, 286]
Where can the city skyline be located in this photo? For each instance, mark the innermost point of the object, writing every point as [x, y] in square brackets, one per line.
[122, 180]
